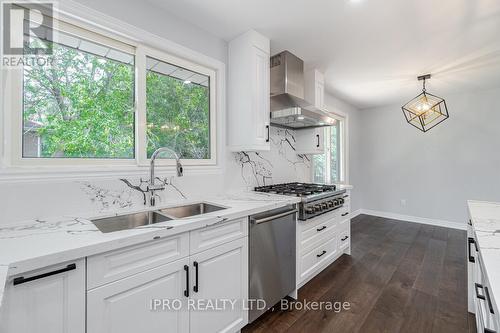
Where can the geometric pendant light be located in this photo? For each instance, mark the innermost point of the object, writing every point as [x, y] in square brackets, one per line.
[426, 110]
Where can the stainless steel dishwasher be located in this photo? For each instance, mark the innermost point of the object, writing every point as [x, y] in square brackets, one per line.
[272, 240]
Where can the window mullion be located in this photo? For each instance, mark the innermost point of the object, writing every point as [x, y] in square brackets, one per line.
[140, 105]
[328, 155]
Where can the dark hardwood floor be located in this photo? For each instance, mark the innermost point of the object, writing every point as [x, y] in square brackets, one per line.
[401, 277]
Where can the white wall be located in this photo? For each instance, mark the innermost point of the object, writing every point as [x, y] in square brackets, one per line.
[334, 104]
[435, 172]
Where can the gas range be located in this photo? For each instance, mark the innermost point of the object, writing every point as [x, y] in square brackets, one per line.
[316, 199]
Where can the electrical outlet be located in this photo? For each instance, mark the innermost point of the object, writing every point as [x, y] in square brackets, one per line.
[403, 202]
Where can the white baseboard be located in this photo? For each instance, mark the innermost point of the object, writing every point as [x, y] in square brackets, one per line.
[409, 218]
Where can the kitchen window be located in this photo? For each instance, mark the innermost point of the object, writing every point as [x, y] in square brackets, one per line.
[329, 168]
[105, 100]
[177, 110]
[83, 105]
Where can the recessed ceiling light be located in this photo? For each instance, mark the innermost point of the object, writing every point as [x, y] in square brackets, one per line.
[187, 82]
[300, 117]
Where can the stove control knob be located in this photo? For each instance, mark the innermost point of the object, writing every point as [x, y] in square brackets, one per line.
[310, 210]
[341, 201]
[324, 205]
[317, 207]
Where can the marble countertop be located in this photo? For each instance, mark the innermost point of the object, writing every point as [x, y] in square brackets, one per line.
[485, 218]
[40, 243]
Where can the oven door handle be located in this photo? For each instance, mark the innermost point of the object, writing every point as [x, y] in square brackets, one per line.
[274, 217]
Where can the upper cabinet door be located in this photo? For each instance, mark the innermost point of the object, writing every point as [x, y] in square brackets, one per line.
[315, 88]
[47, 300]
[310, 141]
[249, 93]
[261, 97]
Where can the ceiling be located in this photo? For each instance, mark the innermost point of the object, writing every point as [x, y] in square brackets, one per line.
[371, 51]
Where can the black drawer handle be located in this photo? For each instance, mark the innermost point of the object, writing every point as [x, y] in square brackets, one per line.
[186, 291]
[346, 196]
[487, 330]
[317, 136]
[478, 286]
[343, 239]
[490, 306]
[322, 228]
[345, 214]
[195, 287]
[321, 254]
[268, 133]
[471, 257]
[22, 279]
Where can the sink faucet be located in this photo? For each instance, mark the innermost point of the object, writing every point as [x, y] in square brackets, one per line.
[152, 187]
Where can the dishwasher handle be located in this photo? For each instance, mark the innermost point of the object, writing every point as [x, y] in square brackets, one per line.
[273, 217]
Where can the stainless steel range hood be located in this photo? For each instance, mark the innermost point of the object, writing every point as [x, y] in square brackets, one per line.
[288, 107]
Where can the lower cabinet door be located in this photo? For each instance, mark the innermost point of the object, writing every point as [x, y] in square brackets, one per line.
[219, 288]
[46, 300]
[151, 301]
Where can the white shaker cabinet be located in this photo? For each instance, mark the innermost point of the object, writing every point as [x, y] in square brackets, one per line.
[127, 305]
[221, 274]
[46, 300]
[248, 111]
[310, 141]
[315, 88]
[130, 284]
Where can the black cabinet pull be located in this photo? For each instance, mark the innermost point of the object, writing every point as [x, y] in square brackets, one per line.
[346, 196]
[22, 279]
[471, 257]
[186, 292]
[322, 228]
[487, 330]
[317, 137]
[195, 288]
[345, 214]
[487, 293]
[268, 133]
[478, 286]
[470, 222]
[322, 253]
[344, 238]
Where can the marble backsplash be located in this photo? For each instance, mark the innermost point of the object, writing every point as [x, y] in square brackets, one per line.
[243, 171]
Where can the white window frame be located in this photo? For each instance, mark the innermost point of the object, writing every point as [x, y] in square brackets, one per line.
[145, 44]
[141, 152]
[343, 120]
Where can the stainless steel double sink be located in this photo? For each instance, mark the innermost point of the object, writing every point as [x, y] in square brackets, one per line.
[131, 221]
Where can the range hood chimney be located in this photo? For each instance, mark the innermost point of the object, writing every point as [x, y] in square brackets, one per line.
[288, 107]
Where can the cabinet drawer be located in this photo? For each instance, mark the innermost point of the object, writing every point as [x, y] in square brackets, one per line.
[312, 235]
[118, 264]
[344, 235]
[311, 260]
[344, 212]
[486, 312]
[209, 237]
[317, 221]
